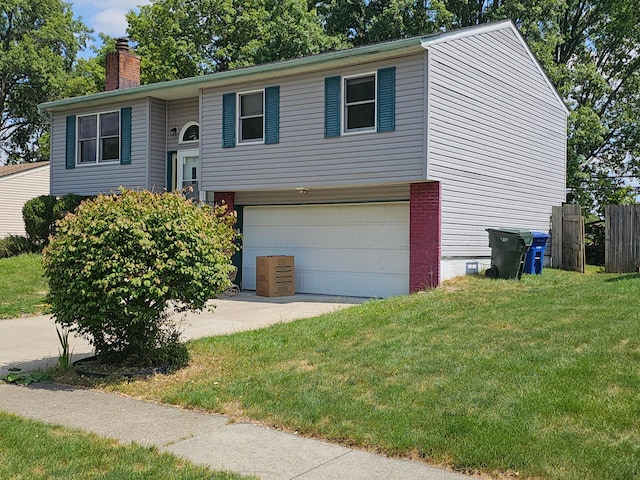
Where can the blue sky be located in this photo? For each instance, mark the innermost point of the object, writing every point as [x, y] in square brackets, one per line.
[106, 16]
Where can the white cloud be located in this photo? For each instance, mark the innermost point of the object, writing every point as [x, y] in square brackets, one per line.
[106, 4]
[111, 21]
[106, 16]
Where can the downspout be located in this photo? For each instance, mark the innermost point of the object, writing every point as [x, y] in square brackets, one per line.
[427, 120]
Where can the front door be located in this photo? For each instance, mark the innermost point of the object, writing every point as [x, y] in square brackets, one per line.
[188, 172]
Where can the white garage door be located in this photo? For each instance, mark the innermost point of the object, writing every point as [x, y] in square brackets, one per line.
[346, 249]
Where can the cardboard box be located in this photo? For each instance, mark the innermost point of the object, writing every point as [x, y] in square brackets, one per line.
[275, 276]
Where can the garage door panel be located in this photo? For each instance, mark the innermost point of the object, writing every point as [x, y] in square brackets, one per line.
[359, 250]
[368, 261]
[331, 237]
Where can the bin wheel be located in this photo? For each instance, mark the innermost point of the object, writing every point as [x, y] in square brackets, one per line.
[492, 272]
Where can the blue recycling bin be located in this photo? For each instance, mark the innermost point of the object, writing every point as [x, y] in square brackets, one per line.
[535, 256]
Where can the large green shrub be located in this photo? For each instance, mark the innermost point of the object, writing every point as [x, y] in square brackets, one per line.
[39, 218]
[64, 205]
[13, 245]
[41, 213]
[121, 266]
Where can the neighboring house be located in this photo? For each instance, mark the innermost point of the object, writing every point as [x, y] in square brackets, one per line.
[379, 168]
[18, 184]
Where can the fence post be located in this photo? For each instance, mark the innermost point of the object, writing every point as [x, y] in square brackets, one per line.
[622, 238]
[556, 237]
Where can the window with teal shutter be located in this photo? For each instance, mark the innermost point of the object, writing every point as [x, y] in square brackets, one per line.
[386, 99]
[272, 115]
[70, 147]
[229, 120]
[125, 136]
[332, 107]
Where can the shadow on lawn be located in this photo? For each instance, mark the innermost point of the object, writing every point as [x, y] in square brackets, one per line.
[631, 276]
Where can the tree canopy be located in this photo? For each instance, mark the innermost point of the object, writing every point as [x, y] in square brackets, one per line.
[184, 38]
[39, 40]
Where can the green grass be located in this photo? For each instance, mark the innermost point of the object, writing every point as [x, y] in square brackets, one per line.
[539, 377]
[32, 450]
[22, 287]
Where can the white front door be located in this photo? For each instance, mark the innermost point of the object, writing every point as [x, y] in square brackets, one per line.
[189, 172]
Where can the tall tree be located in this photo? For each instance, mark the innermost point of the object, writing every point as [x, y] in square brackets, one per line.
[184, 38]
[368, 21]
[39, 40]
[88, 74]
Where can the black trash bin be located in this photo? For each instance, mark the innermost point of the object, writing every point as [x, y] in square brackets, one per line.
[509, 247]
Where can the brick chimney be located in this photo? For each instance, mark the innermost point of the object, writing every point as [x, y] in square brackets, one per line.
[123, 67]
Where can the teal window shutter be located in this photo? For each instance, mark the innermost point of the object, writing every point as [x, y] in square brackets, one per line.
[229, 120]
[332, 107]
[70, 147]
[387, 99]
[170, 155]
[125, 136]
[272, 115]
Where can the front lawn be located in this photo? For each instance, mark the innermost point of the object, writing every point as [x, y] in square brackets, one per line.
[33, 450]
[539, 377]
[22, 287]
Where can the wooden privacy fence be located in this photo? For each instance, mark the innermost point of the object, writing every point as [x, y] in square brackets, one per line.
[622, 238]
[567, 238]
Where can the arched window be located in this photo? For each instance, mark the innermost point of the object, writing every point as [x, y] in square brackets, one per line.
[190, 133]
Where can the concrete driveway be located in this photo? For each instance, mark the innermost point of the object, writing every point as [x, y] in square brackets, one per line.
[31, 343]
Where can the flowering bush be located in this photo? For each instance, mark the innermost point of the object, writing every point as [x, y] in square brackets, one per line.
[121, 264]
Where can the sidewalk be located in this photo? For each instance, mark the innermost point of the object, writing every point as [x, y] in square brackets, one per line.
[208, 439]
[204, 438]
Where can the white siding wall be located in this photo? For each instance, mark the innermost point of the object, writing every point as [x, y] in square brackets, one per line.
[105, 178]
[304, 157]
[497, 137]
[15, 191]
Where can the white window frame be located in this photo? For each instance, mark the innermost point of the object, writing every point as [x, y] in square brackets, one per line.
[343, 103]
[98, 138]
[239, 119]
[184, 130]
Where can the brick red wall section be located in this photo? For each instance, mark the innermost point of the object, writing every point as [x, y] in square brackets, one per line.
[112, 72]
[129, 70]
[424, 235]
[228, 198]
[122, 71]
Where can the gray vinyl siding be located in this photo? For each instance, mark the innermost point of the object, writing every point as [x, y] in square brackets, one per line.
[101, 178]
[304, 157]
[158, 144]
[496, 140]
[179, 113]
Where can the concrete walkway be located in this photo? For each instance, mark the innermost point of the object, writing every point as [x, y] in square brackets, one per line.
[31, 343]
[204, 438]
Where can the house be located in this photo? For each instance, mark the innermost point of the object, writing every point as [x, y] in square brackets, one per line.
[378, 168]
[18, 184]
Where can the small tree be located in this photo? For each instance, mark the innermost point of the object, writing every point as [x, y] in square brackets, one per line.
[40, 215]
[121, 264]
